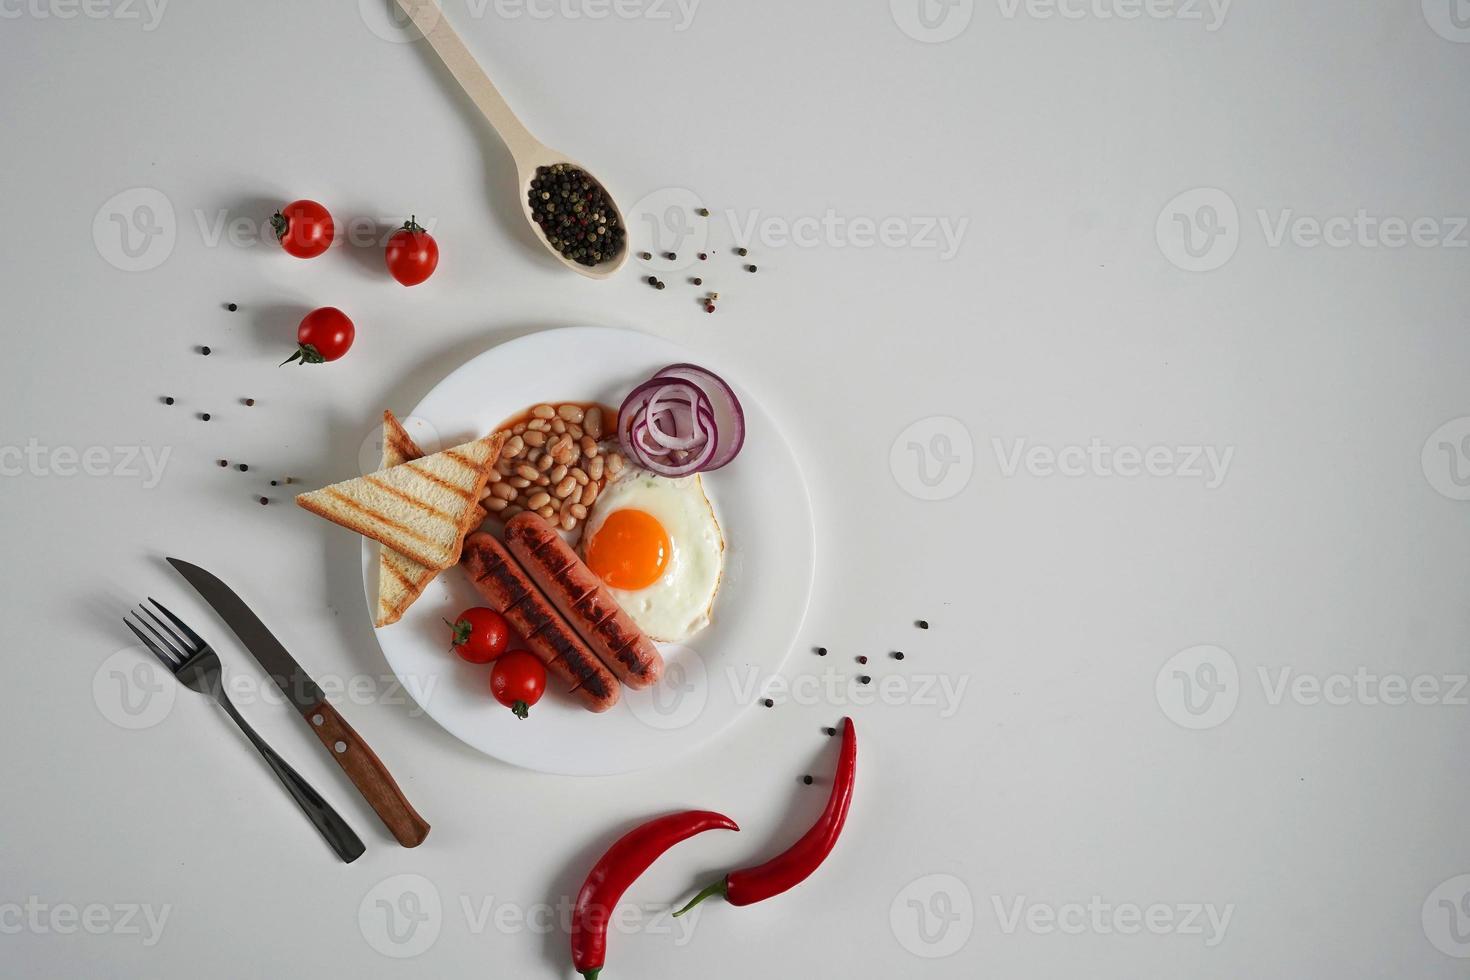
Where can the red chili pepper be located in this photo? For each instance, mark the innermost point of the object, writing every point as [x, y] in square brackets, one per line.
[619, 868]
[790, 868]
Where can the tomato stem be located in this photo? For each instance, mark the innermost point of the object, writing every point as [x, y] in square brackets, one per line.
[305, 354]
[521, 710]
[280, 225]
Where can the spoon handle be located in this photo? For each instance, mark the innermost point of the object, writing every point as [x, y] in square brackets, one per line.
[431, 22]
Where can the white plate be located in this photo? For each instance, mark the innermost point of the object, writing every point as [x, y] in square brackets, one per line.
[762, 504]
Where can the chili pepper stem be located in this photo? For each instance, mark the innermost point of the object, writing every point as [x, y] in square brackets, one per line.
[592, 973]
[718, 888]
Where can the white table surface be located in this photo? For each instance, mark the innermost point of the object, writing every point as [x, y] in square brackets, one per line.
[1055, 141]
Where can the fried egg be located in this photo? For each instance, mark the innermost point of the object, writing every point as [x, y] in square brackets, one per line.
[655, 543]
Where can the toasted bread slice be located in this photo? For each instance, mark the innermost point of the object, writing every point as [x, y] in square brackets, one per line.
[400, 580]
[421, 509]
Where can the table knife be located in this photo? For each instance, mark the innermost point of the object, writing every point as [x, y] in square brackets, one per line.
[361, 764]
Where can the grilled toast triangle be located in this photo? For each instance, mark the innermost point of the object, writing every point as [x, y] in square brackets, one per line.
[401, 580]
[421, 509]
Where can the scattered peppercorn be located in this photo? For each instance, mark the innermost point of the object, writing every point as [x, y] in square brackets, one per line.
[671, 256]
[168, 399]
[224, 462]
[243, 468]
[250, 403]
[808, 780]
[697, 281]
[653, 280]
[703, 212]
[645, 256]
[204, 417]
[865, 679]
[830, 732]
[713, 297]
[703, 256]
[862, 660]
[264, 501]
[275, 483]
[898, 655]
[709, 307]
[289, 479]
[204, 351]
[750, 268]
[922, 624]
[821, 651]
[574, 213]
[742, 251]
[660, 285]
[769, 703]
[232, 307]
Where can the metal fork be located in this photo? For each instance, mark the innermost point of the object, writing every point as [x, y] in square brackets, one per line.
[196, 666]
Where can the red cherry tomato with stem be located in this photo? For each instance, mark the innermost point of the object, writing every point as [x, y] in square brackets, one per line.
[324, 335]
[412, 254]
[518, 680]
[304, 229]
[479, 635]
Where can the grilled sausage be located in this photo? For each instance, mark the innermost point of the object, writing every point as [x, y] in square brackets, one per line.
[580, 596]
[506, 587]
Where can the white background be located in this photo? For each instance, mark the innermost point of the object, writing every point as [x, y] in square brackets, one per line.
[1333, 545]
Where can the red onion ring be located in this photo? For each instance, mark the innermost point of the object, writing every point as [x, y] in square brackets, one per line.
[673, 423]
[729, 417]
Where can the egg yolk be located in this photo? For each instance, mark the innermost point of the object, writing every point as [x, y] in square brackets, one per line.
[629, 550]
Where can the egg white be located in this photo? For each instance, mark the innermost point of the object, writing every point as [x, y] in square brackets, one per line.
[677, 606]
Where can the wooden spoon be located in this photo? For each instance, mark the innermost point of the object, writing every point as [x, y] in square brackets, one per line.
[528, 152]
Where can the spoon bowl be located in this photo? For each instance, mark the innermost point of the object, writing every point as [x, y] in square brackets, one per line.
[529, 153]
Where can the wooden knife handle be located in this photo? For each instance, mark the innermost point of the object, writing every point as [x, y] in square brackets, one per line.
[368, 774]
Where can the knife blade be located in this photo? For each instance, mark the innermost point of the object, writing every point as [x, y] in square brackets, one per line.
[361, 764]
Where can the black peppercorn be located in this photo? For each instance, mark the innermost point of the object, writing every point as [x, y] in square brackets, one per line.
[243, 468]
[224, 462]
[653, 280]
[704, 212]
[645, 256]
[204, 417]
[697, 281]
[741, 251]
[807, 780]
[168, 399]
[264, 501]
[660, 285]
[769, 703]
[204, 351]
[750, 268]
[231, 307]
[275, 483]
[830, 731]
[821, 651]
[898, 655]
[575, 214]
[865, 679]
[671, 256]
[250, 403]
[922, 624]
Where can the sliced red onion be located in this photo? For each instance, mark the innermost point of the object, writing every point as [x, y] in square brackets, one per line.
[668, 464]
[729, 417]
[679, 404]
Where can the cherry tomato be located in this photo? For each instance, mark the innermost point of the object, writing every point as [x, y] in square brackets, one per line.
[518, 680]
[304, 229]
[480, 635]
[324, 335]
[412, 255]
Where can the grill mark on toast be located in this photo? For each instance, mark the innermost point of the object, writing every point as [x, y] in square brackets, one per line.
[410, 499]
[434, 478]
[376, 517]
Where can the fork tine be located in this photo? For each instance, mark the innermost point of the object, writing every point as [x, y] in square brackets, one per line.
[199, 643]
[172, 633]
[163, 658]
[167, 641]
